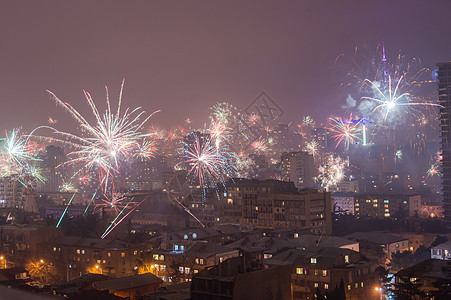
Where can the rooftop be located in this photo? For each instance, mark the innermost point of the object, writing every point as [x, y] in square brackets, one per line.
[123, 283]
[377, 237]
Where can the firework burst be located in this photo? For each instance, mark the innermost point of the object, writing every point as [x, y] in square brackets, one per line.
[207, 163]
[345, 131]
[112, 138]
[312, 148]
[332, 172]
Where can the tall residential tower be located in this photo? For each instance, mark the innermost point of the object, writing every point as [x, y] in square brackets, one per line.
[444, 97]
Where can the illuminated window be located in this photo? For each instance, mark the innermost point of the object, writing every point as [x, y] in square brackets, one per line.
[313, 260]
[196, 271]
[346, 259]
[78, 251]
[181, 270]
[361, 284]
[155, 256]
[122, 254]
[324, 273]
[349, 287]
[187, 270]
[54, 248]
[299, 270]
[326, 286]
[296, 235]
[229, 201]
[135, 252]
[315, 284]
[109, 254]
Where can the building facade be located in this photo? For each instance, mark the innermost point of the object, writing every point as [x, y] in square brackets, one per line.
[298, 167]
[444, 98]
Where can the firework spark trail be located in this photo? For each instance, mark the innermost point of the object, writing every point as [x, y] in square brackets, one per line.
[116, 202]
[173, 197]
[103, 235]
[65, 210]
[107, 232]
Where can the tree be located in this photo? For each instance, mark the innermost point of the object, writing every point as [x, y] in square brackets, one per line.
[339, 292]
[41, 271]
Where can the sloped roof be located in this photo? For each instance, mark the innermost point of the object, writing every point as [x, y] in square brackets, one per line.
[432, 268]
[308, 240]
[92, 243]
[377, 237]
[123, 283]
[202, 249]
[258, 243]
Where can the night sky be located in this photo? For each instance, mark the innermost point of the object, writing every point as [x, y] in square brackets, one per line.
[184, 56]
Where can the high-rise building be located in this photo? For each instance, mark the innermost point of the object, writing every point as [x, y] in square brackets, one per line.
[298, 168]
[52, 170]
[444, 97]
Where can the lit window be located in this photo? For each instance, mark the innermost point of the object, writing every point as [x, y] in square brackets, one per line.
[109, 254]
[326, 286]
[296, 235]
[176, 247]
[185, 237]
[98, 261]
[161, 257]
[78, 251]
[324, 273]
[182, 248]
[196, 271]
[346, 259]
[315, 284]
[181, 270]
[135, 252]
[155, 256]
[299, 270]
[313, 260]
[187, 270]
[349, 287]
[122, 254]
[361, 284]
[82, 251]
[54, 248]
[201, 261]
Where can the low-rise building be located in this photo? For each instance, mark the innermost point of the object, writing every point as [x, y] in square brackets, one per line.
[273, 204]
[431, 278]
[131, 287]
[389, 243]
[318, 271]
[73, 256]
[235, 279]
[343, 202]
[442, 251]
[178, 265]
[387, 205]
